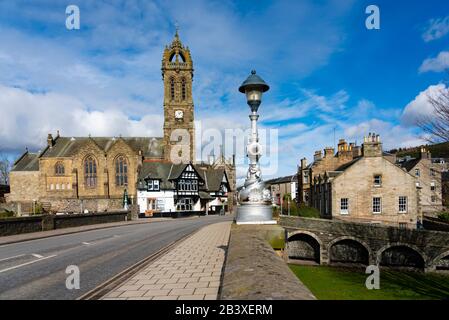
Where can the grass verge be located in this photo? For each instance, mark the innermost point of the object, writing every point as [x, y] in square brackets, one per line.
[335, 283]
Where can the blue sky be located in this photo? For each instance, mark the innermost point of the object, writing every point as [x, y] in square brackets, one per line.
[325, 69]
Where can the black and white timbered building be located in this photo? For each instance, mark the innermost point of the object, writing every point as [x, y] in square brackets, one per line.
[181, 188]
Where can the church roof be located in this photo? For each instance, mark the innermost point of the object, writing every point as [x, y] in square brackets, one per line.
[68, 147]
[27, 162]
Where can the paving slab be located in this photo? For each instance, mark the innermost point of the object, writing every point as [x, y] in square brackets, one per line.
[190, 271]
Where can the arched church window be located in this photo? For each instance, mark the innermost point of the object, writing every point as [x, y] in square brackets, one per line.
[121, 171]
[90, 172]
[59, 169]
[183, 88]
[172, 88]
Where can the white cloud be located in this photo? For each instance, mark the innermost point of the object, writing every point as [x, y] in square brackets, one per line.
[436, 29]
[28, 117]
[421, 107]
[438, 64]
[309, 101]
[392, 136]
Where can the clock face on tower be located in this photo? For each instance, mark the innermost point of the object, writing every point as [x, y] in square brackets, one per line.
[179, 114]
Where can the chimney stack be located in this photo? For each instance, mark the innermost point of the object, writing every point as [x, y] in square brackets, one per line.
[50, 140]
[372, 147]
[329, 152]
[425, 154]
[317, 156]
[303, 163]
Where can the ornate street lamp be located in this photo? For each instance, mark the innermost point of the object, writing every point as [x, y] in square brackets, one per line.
[255, 200]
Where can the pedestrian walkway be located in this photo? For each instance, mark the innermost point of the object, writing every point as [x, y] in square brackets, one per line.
[191, 271]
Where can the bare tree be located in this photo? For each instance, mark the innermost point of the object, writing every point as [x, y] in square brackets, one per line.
[437, 125]
[5, 168]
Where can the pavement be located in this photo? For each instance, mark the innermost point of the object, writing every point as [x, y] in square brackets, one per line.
[36, 269]
[190, 271]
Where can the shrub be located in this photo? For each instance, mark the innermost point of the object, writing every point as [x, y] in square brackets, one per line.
[444, 216]
[7, 214]
[276, 212]
[308, 212]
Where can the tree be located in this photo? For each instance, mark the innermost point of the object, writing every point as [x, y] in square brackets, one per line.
[437, 125]
[5, 168]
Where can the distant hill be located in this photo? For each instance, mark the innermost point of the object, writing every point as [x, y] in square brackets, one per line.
[440, 150]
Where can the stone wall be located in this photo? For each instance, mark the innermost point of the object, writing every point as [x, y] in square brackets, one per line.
[79, 205]
[431, 201]
[434, 224]
[349, 242]
[12, 226]
[254, 271]
[24, 185]
[69, 221]
[357, 184]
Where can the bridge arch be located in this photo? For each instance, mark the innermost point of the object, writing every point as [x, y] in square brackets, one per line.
[304, 245]
[400, 254]
[347, 249]
[441, 261]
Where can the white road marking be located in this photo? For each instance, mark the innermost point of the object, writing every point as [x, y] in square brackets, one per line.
[37, 255]
[27, 263]
[86, 243]
[20, 255]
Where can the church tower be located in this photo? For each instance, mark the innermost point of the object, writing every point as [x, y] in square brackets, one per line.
[179, 129]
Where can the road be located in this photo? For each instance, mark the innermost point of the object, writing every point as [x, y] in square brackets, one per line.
[36, 269]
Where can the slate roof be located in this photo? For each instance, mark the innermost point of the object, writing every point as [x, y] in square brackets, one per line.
[286, 179]
[65, 147]
[27, 162]
[212, 177]
[167, 172]
[410, 164]
[69, 146]
[347, 165]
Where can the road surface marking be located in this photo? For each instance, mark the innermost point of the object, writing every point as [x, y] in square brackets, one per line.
[20, 255]
[86, 243]
[27, 263]
[37, 255]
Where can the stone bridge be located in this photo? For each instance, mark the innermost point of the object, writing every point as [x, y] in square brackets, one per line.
[330, 242]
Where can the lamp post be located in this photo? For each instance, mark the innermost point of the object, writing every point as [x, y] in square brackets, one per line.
[254, 198]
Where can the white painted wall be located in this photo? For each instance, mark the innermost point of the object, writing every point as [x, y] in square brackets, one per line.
[166, 196]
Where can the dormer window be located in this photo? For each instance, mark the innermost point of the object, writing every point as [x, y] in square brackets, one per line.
[153, 185]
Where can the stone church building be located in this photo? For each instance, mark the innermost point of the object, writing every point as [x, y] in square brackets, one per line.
[74, 174]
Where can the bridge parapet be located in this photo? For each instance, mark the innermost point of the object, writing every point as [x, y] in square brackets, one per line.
[340, 241]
